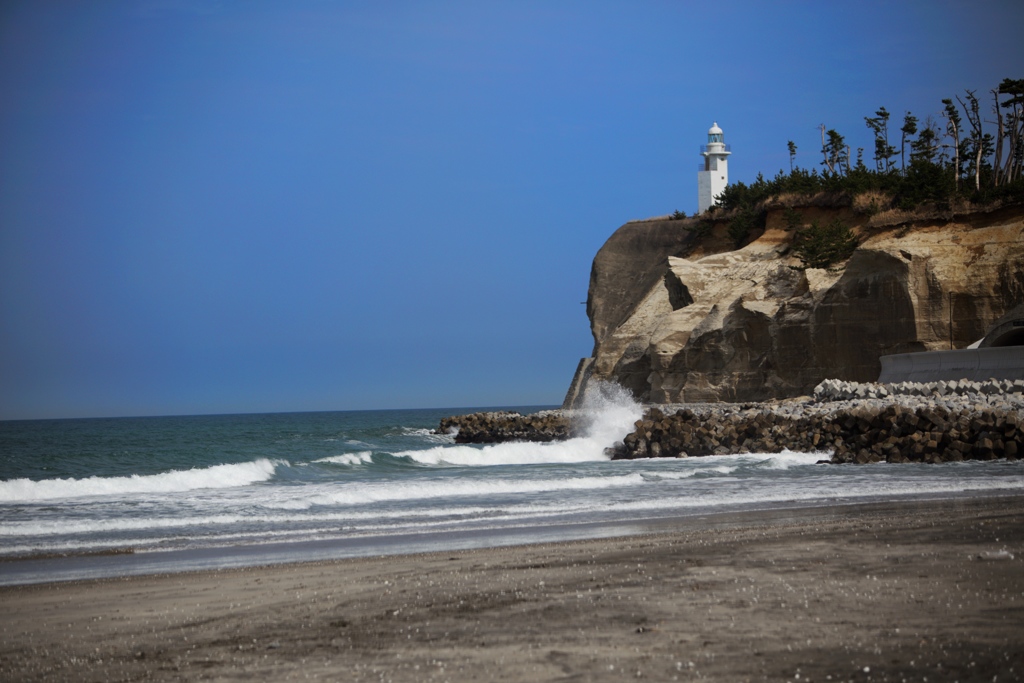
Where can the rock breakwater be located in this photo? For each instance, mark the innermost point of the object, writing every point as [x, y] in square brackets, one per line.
[848, 422]
[837, 390]
[502, 426]
[896, 424]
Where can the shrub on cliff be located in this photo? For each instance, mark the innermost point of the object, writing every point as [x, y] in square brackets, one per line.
[821, 246]
[746, 220]
[700, 228]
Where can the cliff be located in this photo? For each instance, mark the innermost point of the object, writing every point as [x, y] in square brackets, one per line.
[679, 314]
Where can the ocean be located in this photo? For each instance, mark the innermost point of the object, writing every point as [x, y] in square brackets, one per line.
[105, 497]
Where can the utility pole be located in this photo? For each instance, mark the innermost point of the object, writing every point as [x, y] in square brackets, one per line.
[951, 320]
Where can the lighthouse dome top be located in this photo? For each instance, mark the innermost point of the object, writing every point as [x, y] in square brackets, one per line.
[714, 129]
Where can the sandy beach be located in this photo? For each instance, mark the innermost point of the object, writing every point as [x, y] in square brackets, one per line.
[882, 592]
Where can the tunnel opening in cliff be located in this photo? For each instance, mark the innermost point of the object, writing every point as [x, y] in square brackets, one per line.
[1013, 337]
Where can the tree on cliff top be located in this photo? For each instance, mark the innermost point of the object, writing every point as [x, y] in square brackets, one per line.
[835, 151]
[1011, 128]
[953, 127]
[821, 246]
[940, 159]
[909, 128]
[980, 141]
[879, 125]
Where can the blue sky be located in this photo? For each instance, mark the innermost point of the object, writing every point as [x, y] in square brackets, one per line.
[212, 207]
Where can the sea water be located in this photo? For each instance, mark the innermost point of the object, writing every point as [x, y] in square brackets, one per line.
[131, 495]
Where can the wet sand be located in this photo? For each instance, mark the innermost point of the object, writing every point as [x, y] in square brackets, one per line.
[885, 592]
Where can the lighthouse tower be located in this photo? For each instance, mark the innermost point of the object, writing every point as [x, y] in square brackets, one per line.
[714, 176]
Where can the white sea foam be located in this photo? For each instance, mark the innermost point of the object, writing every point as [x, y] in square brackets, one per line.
[216, 477]
[692, 472]
[784, 460]
[420, 490]
[428, 435]
[208, 521]
[565, 482]
[663, 497]
[608, 414]
[514, 453]
[360, 458]
[415, 518]
[753, 492]
[290, 527]
[636, 490]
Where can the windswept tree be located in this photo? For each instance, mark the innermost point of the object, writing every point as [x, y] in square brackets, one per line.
[953, 126]
[884, 152]
[980, 142]
[835, 151]
[1011, 128]
[925, 147]
[909, 128]
[997, 163]
[943, 153]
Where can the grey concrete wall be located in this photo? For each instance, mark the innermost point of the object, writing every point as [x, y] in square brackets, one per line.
[977, 365]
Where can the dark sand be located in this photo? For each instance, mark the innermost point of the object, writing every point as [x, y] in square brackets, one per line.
[889, 592]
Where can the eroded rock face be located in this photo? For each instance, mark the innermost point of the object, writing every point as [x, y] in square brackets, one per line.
[675, 323]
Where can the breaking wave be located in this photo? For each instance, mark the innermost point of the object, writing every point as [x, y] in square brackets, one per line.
[215, 477]
[608, 414]
[360, 458]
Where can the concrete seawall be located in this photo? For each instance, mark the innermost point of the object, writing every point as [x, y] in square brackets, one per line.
[977, 365]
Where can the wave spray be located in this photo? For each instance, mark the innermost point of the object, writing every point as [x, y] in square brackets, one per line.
[607, 415]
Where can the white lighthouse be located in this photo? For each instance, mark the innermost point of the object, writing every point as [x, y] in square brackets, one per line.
[714, 176]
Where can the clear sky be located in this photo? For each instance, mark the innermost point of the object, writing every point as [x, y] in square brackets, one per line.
[253, 206]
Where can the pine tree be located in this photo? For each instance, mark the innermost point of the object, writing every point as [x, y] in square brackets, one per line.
[884, 152]
[977, 139]
[835, 151]
[926, 144]
[821, 246]
[909, 128]
[953, 126]
[1013, 131]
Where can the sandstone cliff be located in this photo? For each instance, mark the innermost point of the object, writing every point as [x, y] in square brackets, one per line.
[679, 315]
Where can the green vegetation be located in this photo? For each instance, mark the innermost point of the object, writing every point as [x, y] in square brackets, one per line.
[701, 228]
[958, 164]
[794, 219]
[746, 220]
[823, 246]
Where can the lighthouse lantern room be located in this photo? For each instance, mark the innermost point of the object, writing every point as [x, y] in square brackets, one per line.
[713, 175]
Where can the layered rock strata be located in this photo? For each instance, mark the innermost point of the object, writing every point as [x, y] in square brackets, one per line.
[502, 426]
[680, 315]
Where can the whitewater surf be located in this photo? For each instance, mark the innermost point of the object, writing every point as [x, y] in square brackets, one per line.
[259, 488]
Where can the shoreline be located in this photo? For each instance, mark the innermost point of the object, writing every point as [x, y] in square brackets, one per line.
[130, 562]
[884, 590]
